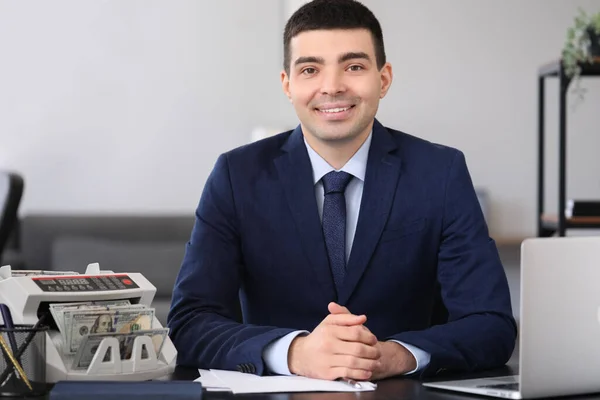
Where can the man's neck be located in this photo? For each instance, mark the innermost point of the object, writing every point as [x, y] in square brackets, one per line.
[337, 153]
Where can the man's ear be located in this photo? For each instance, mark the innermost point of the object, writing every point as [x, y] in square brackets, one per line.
[285, 84]
[386, 79]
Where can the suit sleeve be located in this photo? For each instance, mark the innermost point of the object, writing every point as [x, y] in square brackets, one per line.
[203, 316]
[481, 331]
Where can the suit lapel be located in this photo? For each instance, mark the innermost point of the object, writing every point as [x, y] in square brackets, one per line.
[381, 179]
[295, 174]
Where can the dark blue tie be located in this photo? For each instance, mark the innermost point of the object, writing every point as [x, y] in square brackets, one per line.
[334, 222]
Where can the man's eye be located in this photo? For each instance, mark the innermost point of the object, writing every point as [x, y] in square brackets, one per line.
[355, 68]
[309, 71]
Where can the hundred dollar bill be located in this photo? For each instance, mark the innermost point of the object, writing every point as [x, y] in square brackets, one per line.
[90, 344]
[120, 320]
[68, 317]
[58, 309]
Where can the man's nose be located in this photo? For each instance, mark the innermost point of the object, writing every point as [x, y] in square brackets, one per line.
[332, 83]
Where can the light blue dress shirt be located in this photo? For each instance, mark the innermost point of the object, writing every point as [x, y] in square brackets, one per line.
[275, 354]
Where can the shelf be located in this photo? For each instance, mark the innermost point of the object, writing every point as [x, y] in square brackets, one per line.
[548, 225]
[553, 68]
[550, 221]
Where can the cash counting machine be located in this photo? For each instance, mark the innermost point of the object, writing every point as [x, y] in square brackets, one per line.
[28, 295]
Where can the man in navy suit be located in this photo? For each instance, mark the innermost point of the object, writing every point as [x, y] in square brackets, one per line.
[337, 237]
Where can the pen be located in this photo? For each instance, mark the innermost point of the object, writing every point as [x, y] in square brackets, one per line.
[15, 362]
[8, 371]
[352, 382]
[9, 325]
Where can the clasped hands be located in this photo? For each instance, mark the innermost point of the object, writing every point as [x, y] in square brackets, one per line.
[341, 346]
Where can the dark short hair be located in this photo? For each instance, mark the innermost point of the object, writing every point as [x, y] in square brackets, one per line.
[333, 14]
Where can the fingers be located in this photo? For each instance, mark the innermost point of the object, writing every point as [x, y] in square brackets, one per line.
[335, 308]
[345, 319]
[354, 349]
[348, 373]
[355, 334]
[351, 362]
[340, 347]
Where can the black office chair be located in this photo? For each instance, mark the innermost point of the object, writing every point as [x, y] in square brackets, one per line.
[11, 191]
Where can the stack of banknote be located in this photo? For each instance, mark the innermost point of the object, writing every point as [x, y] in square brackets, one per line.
[84, 325]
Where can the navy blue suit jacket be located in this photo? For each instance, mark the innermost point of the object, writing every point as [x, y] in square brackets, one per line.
[258, 240]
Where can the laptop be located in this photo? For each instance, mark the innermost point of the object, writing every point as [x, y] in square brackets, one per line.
[559, 336]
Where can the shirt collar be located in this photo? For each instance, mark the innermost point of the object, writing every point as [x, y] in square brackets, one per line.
[356, 166]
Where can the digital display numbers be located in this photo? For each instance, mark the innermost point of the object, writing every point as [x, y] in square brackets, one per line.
[72, 281]
[85, 283]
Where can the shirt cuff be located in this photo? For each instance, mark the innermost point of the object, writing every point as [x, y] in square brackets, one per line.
[275, 354]
[421, 356]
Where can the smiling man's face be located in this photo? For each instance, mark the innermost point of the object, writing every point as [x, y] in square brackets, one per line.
[334, 83]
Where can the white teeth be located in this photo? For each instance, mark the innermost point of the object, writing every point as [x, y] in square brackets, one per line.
[335, 110]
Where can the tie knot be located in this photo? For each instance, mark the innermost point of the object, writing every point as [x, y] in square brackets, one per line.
[336, 182]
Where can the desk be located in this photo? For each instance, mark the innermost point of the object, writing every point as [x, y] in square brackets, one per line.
[389, 389]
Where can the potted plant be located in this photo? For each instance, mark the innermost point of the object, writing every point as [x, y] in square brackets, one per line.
[582, 45]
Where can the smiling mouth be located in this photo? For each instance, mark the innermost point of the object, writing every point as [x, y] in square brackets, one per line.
[336, 110]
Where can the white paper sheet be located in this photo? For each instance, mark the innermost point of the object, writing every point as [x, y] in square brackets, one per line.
[210, 382]
[238, 382]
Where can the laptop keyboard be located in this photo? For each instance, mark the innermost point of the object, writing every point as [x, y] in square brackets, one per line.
[502, 386]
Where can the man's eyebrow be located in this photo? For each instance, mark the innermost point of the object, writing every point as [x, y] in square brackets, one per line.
[344, 57]
[353, 55]
[309, 59]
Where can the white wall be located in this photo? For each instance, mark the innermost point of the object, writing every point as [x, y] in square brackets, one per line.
[466, 76]
[123, 106]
